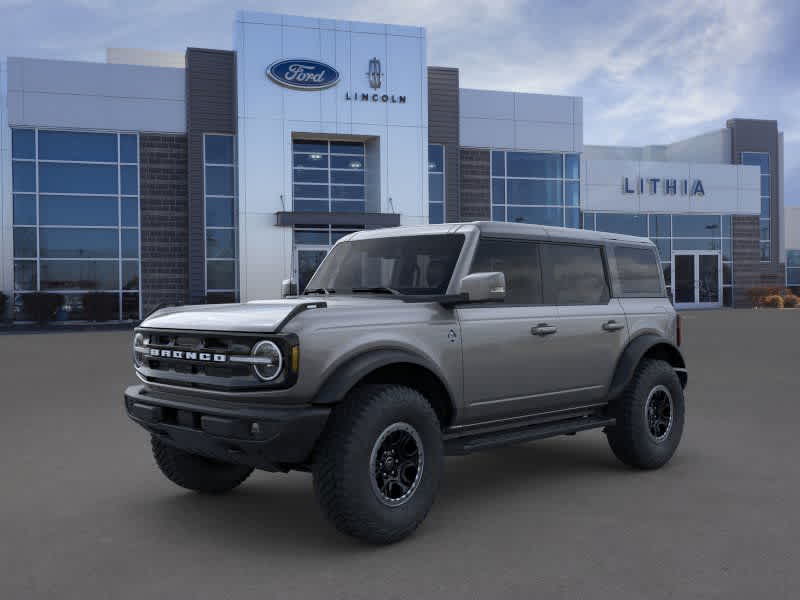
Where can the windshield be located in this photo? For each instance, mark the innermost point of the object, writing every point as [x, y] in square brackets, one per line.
[419, 264]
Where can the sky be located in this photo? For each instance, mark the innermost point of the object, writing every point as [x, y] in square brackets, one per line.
[649, 72]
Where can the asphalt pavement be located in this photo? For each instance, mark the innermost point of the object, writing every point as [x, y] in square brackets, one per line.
[85, 514]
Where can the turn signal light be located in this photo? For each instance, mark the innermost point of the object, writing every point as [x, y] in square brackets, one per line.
[295, 359]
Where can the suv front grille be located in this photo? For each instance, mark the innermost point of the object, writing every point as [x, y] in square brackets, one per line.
[214, 361]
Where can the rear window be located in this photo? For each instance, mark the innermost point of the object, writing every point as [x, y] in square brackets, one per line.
[574, 275]
[638, 272]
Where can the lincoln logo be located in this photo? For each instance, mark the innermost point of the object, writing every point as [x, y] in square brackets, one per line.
[374, 74]
[301, 74]
[184, 355]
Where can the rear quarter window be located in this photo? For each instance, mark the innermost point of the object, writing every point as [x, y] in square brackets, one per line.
[638, 272]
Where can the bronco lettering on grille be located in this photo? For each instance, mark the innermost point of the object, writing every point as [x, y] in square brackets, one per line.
[180, 354]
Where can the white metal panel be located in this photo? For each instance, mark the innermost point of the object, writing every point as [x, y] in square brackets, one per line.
[486, 104]
[486, 133]
[52, 93]
[260, 97]
[543, 107]
[6, 204]
[301, 105]
[98, 112]
[364, 47]
[409, 195]
[546, 136]
[404, 77]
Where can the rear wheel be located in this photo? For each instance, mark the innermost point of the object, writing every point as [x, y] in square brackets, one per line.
[650, 416]
[378, 464]
[195, 472]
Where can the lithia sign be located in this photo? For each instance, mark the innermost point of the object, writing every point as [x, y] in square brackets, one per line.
[306, 74]
[667, 186]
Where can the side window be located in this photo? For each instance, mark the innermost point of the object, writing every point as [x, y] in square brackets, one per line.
[518, 261]
[574, 275]
[638, 272]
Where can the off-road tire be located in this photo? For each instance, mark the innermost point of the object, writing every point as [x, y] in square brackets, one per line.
[195, 472]
[630, 438]
[343, 465]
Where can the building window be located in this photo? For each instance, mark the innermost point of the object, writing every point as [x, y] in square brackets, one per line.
[311, 245]
[221, 228]
[793, 268]
[328, 176]
[674, 232]
[436, 183]
[76, 221]
[761, 160]
[535, 187]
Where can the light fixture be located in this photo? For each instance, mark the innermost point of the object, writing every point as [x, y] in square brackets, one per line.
[316, 156]
[355, 164]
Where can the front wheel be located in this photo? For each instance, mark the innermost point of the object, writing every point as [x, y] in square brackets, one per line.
[378, 464]
[650, 415]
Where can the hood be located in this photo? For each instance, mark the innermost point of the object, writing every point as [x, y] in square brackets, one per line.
[263, 316]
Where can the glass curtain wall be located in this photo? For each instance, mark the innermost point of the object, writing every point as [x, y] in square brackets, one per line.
[76, 221]
[536, 187]
[674, 233]
[328, 176]
[761, 160]
[436, 183]
[793, 268]
[219, 158]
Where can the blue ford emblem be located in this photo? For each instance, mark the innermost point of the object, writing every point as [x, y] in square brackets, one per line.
[303, 74]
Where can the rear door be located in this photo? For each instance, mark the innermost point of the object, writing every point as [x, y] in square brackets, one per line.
[507, 365]
[592, 330]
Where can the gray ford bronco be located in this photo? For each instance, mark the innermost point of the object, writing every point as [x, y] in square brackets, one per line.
[409, 344]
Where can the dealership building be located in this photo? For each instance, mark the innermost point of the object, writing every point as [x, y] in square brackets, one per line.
[213, 175]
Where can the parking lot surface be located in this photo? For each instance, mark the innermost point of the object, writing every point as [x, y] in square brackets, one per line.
[85, 514]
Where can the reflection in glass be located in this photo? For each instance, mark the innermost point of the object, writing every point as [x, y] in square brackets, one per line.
[532, 164]
[80, 275]
[23, 176]
[24, 209]
[219, 181]
[220, 243]
[24, 275]
[77, 210]
[219, 149]
[531, 191]
[65, 178]
[684, 278]
[77, 146]
[56, 242]
[23, 143]
[25, 242]
[221, 274]
[219, 212]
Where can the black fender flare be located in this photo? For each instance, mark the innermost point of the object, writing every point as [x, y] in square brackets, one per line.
[636, 349]
[347, 375]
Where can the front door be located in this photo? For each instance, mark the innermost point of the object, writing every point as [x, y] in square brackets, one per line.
[697, 279]
[307, 259]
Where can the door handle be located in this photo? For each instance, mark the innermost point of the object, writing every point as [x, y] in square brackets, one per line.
[612, 325]
[543, 329]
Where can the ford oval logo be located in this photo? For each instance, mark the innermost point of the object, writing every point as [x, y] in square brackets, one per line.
[303, 74]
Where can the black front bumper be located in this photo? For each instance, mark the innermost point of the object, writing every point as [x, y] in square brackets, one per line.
[274, 438]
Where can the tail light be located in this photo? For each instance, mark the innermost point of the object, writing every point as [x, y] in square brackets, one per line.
[678, 329]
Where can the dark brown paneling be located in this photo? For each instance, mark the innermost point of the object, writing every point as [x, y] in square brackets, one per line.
[754, 135]
[475, 199]
[164, 220]
[210, 108]
[443, 129]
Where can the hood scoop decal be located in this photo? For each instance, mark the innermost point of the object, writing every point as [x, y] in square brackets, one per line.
[299, 308]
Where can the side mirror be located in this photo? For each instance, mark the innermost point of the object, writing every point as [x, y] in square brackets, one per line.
[484, 287]
[288, 288]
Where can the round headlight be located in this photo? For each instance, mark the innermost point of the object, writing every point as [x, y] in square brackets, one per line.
[268, 361]
[138, 342]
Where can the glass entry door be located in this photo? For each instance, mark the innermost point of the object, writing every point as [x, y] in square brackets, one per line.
[697, 279]
[306, 262]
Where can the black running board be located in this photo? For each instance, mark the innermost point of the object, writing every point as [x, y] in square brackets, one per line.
[484, 441]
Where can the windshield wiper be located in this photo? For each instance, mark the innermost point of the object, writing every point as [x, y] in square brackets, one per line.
[376, 290]
[320, 290]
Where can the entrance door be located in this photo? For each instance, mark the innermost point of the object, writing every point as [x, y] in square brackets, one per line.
[307, 259]
[697, 279]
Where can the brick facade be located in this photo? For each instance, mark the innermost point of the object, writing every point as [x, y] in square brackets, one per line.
[748, 270]
[164, 214]
[475, 182]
